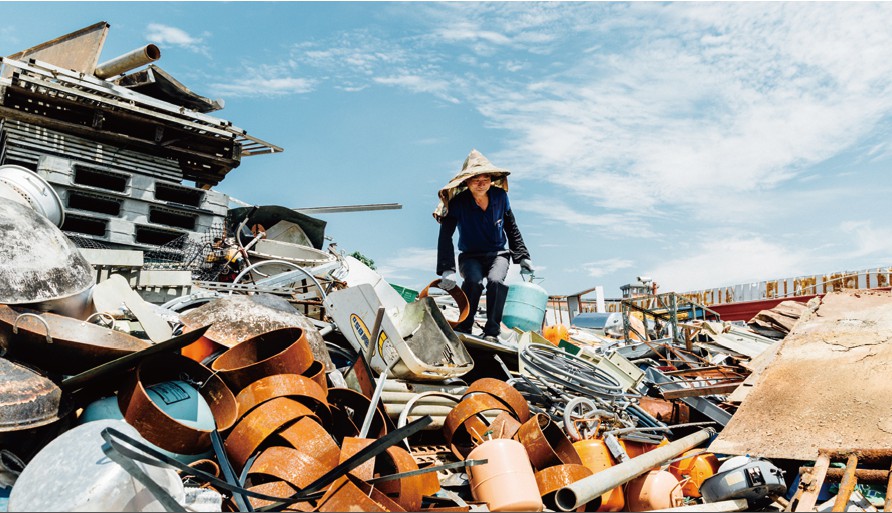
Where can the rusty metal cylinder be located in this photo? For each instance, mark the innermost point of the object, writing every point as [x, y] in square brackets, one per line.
[130, 60]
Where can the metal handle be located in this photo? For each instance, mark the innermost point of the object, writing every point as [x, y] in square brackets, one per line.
[15, 325]
[103, 316]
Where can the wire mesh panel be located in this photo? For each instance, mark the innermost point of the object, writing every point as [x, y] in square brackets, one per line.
[206, 257]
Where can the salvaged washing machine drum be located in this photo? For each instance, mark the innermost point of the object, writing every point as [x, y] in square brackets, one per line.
[754, 480]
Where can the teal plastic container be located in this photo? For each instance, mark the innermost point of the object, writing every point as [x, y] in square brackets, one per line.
[525, 307]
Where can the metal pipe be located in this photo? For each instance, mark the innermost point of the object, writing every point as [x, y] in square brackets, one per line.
[395, 398]
[128, 61]
[847, 485]
[576, 494]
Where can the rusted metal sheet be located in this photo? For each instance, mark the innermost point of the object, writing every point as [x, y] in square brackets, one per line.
[277, 489]
[503, 392]
[260, 423]
[458, 295]
[281, 351]
[295, 467]
[462, 427]
[351, 445]
[407, 491]
[308, 436]
[300, 388]
[504, 425]
[545, 443]
[154, 424]
[78, 50]
[828, 385]
[670, 412]
[551, 479]
[235, 319]
[351, 494]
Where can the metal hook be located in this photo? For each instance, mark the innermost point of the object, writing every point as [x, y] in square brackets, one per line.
[15, 325]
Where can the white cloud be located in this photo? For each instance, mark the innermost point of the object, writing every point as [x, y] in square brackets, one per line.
[172, 36]
[420, 84]
[407, 260]
[263, 86]
[743, 109]
[602, 268]
[609, 223]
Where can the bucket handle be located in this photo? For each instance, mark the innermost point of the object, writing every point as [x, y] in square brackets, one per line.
[15, 325]
[460, 299]
[105, 319]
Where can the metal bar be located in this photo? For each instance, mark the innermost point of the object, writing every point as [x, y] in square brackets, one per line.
[847, 485]
[888, 505]
[349, 208]
[864, 475]
[704, 406]
[701, 391]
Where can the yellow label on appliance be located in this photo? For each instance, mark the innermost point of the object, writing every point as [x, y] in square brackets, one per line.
[364, 335]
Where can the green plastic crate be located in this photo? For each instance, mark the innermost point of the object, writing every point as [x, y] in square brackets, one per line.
[408, 294]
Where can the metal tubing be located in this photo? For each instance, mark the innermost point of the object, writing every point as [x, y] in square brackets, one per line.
[864, 475]
[847, 485]
[373, 404]
[576, 494]
[394, 398]
[888, 505]
[128, 61]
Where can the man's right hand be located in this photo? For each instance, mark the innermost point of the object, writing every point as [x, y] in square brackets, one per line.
[447, 280]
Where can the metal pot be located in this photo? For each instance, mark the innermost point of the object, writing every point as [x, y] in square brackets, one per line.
[40, 266]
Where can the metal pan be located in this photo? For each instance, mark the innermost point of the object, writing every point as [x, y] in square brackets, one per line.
[60, 344]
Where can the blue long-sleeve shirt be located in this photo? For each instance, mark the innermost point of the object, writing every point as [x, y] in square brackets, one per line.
[479, 232]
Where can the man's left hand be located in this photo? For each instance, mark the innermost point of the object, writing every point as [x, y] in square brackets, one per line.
[526, 266]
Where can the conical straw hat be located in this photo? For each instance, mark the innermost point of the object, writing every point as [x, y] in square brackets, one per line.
[475, 164]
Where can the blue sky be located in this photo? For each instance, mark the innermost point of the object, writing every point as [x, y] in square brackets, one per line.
[701, 144]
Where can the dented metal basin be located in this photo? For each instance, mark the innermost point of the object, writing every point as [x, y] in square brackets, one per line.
[56, 343]
[39, 263]
[27, 399]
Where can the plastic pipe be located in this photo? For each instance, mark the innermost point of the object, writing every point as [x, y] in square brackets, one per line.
[576, 494]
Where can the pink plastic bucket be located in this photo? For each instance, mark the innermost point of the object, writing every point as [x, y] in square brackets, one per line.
[507, 481]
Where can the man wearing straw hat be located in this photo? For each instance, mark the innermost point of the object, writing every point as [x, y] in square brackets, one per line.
[476, 202]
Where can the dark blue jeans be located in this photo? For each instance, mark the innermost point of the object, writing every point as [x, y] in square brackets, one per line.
[474, 270]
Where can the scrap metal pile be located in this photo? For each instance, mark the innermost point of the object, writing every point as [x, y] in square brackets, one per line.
[160, 353]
